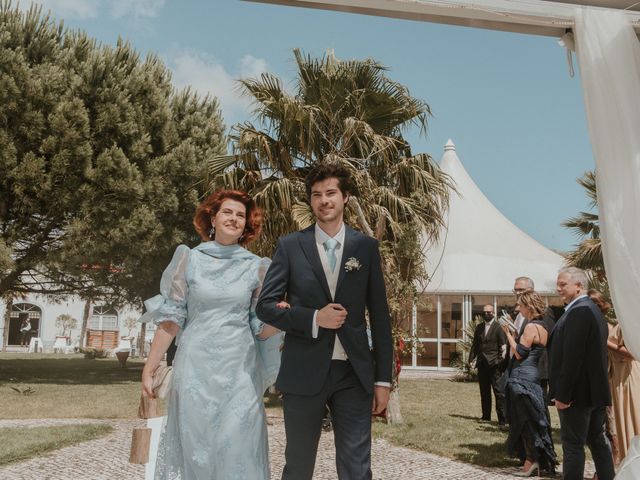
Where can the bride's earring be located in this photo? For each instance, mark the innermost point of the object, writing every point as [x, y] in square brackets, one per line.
[212, 232]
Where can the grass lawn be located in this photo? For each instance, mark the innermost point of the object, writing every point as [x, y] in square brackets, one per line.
[443, 417]
[19, 444]
[68, 386]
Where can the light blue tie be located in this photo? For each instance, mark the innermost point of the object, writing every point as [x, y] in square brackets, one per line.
[330, 247]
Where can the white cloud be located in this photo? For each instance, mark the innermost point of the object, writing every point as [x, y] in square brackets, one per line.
[77, 9]
[136, 8]
[118, 9]
[206, 75]
[251, 66]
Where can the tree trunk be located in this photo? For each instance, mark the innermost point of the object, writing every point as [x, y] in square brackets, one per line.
[7, 320]
[394, 417]
[85, 321]
[141, 339]
[361, 218]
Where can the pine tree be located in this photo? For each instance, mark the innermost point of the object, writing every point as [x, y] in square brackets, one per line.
[102, 162]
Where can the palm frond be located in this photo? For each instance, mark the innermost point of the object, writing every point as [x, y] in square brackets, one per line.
[302, 215]
[220, 163]
[587, 255]
[276, 194]
[588, 182]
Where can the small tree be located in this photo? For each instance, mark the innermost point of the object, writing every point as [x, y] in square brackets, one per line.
[66, 322]
[131, 323]
[465, 343]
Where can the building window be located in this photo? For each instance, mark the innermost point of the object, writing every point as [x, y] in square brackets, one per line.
[21, 312]
[441, 321]
[451, 354]
[103, 318]
[451, 306]
[427, 317]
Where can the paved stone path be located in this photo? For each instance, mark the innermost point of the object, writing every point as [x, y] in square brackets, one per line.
[107, 458]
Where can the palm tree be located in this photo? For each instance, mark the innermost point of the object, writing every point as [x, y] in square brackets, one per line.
[587, 254]
[348, 112]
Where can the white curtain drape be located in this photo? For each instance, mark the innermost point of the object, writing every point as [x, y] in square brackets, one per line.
[609, 57]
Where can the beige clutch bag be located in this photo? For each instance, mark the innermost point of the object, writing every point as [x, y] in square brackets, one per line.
[141, 438]
[162, 381]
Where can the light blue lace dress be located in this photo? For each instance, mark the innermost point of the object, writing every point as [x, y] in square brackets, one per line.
[216, 423]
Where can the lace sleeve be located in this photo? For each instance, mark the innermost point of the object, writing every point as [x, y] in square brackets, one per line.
[171, 304]
[256, 324]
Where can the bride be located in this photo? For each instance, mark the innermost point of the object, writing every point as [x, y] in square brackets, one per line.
[226, 358]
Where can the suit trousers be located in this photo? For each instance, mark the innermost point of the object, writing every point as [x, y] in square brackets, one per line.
[350, 406]
[580, 426]
[488, 379]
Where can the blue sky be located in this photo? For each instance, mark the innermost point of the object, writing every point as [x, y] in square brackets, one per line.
[506, 100]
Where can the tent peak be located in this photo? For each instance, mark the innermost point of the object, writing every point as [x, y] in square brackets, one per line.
[449, 146]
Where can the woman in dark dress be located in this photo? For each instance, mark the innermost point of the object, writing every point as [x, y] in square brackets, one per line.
[529, 430]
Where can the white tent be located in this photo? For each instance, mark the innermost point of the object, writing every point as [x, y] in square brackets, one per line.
[480, 249]
[478, 256]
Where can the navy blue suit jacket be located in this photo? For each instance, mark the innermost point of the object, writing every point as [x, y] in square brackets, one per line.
[578, 357]
[296, 274]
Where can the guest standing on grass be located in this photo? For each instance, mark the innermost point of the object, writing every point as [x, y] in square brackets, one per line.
[578, 382]
[216, 423]
[487, 353]
[529, 431]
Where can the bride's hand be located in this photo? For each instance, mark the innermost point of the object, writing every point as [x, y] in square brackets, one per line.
[283, 305]
[147, 383]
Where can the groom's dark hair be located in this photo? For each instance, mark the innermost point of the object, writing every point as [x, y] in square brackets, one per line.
[330, 169]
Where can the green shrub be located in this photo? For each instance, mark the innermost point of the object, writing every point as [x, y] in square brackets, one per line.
[93, 353]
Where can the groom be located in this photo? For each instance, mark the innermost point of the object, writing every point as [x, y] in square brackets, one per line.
[329, 274]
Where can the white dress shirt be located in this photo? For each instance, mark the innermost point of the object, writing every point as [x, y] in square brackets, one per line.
[332, 279]
[570, 304]
[487, 326]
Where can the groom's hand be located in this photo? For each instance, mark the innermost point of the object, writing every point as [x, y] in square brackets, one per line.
[380, 398]
[332, 316]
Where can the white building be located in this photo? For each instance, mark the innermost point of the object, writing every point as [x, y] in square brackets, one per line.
[105, 327]
[479, 255]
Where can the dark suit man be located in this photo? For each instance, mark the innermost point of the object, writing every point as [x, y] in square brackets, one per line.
[488, 351]
[578, 378]
[329, 274]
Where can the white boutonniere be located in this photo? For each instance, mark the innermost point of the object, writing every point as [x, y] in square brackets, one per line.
[352, 264]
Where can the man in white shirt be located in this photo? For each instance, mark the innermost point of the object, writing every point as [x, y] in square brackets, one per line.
[521, 285]
[331, 276]
[25, 328]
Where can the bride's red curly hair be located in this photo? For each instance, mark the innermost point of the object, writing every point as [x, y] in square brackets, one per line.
[211, 206]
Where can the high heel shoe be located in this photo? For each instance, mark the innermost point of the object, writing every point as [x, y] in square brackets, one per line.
[535, 467]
